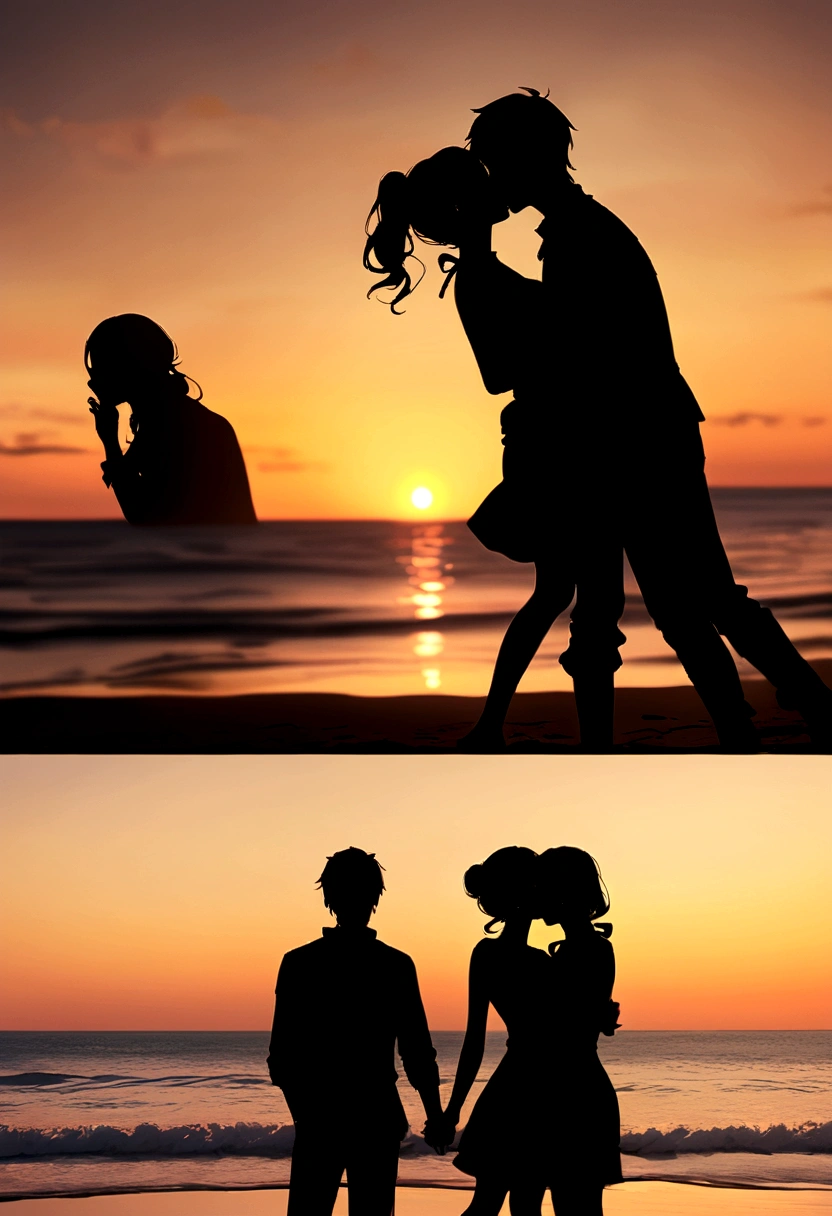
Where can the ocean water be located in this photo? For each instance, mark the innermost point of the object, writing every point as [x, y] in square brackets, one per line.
[369, 608]
[110, 1111]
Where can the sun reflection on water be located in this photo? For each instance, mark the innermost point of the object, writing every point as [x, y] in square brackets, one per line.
[429, 576]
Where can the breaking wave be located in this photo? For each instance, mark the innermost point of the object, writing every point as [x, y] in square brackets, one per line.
[778, 1138]
[148, 1139]
[276, 1140]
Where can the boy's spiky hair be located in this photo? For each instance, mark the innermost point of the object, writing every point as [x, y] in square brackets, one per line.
[528, 116]
[351, 873]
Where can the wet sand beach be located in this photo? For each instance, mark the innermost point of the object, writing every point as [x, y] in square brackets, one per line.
[631, 1199]
[647, 720]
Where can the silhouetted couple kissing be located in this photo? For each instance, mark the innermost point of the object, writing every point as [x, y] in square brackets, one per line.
[602, 447]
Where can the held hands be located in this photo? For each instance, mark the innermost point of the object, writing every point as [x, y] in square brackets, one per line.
[439, 1133]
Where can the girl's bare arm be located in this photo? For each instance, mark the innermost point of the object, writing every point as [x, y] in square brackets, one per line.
[473, 1046]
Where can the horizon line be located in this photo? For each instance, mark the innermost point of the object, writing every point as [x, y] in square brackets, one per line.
[390, 519]
[461, 1030]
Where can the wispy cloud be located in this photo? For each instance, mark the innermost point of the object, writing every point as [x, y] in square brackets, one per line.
[34, 443]
[284, 460]
[820, 295]
[348, 64]
[62, 417]
[748, 417]
[745, 418]
[195, 127]
[815, 206]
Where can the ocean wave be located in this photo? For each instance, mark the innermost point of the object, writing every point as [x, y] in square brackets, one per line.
[777, 1138]
[29, 627]
[75, 1082]
[148, 1139]
[25, 1079]
[276, 1140]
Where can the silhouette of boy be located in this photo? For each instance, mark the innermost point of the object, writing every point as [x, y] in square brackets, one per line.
[630, 419]
[342, 1004]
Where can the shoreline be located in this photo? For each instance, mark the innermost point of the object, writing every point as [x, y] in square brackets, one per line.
[637, 1198]
[648, 720]
[414, 1185]
[63, 1177]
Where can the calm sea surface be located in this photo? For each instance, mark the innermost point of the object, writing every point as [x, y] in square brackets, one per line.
[126, 1111]
[370, 608]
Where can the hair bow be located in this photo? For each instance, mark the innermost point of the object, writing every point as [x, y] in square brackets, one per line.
[449, 265]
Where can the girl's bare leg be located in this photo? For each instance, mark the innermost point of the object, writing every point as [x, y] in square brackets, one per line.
[489, 1197]
[578, 1201]
[552, 595]
[526, 1199]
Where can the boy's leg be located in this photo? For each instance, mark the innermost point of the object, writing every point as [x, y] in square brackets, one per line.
[675, 566]
[592, 657]
[595, 706]
[371, 1177]
[752, 629]
[317, 1167]
[699, 648]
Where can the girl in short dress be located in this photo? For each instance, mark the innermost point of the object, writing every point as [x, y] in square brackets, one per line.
[580, 1155]
[514, 978]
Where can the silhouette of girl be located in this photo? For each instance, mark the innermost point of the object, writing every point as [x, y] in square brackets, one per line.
[545, 510]
[184, 464]
[513, 977]
[582, 1156]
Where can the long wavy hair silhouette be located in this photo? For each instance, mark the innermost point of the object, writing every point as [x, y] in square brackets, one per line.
[183, 464]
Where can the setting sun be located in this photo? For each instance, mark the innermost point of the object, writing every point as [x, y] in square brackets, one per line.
[421, 498]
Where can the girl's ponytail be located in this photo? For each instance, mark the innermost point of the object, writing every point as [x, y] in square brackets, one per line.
[390, 242]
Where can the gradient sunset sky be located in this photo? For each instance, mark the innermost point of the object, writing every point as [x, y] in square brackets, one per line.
[212, 164]
[161, 892]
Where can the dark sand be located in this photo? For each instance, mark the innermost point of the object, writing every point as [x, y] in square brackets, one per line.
[631, 1199]
[647, 720]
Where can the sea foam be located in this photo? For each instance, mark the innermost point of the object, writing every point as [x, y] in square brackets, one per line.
[276, 1139]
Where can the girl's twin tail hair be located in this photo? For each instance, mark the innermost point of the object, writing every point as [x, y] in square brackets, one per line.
[390, 241]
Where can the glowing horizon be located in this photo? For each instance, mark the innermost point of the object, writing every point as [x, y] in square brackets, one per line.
[224, 194]
[160, 893]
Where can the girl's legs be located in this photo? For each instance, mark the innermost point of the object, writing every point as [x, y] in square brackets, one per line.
[552, 595]
[489, 1197]
[579, 1199]
[526, 1198]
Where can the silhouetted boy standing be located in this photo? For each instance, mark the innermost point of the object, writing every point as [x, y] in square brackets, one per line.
[342, 1004]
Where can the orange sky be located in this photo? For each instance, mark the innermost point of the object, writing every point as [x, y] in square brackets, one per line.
[212, 166]
[161, 892]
